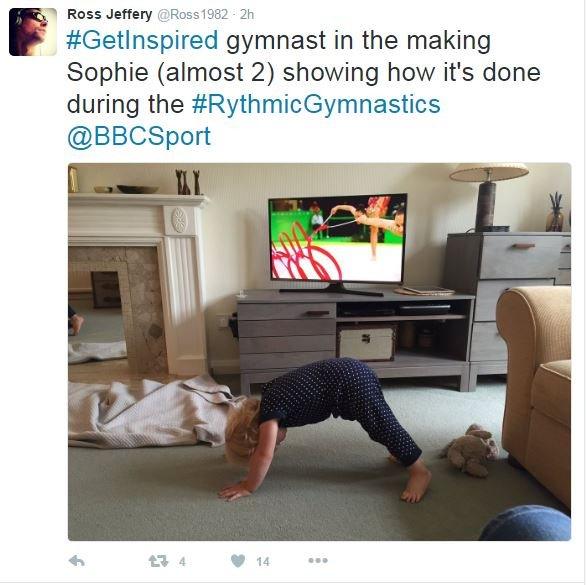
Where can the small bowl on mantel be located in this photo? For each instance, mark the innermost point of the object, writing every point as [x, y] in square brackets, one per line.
[137, 189]
[102, 189]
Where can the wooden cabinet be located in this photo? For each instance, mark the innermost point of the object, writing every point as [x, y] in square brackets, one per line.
[282, 331]
[487, 264]
[564, 274]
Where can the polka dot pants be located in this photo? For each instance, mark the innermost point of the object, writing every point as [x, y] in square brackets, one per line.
[364, 402]
[341, 387]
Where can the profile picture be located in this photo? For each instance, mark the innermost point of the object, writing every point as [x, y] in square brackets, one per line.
[32, 32]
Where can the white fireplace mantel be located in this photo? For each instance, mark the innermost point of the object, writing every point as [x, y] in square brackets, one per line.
[172, 224]
[139, 200]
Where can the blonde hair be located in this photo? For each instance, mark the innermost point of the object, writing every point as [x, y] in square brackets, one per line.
[242, 431]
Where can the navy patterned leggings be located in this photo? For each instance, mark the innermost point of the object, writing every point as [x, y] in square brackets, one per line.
[365, 403]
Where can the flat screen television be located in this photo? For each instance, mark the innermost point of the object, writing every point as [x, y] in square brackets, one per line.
[337, 239]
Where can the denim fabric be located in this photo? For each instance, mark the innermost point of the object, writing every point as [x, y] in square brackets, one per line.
[528, 523]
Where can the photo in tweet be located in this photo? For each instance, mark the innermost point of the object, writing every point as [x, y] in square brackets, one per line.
[322, 357]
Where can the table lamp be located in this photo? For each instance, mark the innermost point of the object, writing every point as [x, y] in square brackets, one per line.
[486, 174]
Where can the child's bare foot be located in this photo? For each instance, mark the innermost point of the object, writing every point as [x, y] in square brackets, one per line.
[419, 478]
[76, 323]
[393, 459]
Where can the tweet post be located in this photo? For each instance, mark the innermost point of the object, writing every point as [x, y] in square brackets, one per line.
[306, 340]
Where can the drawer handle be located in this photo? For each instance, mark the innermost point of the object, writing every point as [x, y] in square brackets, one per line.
[316, 313]
[523, 246]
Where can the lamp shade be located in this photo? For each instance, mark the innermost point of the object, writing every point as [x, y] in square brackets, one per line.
[479, 172]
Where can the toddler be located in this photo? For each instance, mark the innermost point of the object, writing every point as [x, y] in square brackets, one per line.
[342, 387]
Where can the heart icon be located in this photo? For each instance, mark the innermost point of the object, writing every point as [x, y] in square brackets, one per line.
[237, 560]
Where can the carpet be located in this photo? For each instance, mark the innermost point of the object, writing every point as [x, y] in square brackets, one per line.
[327, 482]
[100, 325]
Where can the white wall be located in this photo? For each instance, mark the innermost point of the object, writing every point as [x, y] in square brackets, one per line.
[236, 229]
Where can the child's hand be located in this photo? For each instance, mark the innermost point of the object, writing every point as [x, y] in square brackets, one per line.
[233, 492]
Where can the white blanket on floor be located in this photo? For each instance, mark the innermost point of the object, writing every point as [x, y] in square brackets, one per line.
[183, 412]
[80, 351]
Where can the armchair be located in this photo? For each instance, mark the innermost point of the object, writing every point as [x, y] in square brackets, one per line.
[536, 325]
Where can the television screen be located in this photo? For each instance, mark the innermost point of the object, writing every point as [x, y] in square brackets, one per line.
[356, 238]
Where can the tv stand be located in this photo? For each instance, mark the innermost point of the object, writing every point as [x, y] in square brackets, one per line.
[334, 287]
[279, 332]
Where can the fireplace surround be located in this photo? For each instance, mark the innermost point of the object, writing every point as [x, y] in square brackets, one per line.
[106, 232]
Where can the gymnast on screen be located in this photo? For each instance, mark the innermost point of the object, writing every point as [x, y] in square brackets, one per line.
[373, 216]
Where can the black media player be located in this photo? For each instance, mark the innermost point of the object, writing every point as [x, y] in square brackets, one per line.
[424, 309]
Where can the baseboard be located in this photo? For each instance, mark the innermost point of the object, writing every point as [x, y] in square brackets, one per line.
[225, 366]
[188, 365]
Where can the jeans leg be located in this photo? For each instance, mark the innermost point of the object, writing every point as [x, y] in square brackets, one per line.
[528, 523]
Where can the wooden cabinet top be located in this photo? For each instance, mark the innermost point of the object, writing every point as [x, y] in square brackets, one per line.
[274, 296]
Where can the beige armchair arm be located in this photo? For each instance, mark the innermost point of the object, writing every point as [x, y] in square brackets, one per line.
[536, 325]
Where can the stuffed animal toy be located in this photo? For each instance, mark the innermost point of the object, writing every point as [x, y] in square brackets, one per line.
[470, 452]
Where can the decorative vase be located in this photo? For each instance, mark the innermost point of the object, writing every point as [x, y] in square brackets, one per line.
[554, 222]
[555, 218]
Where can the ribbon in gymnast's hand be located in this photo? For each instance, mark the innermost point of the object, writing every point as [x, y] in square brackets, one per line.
[325, 225]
